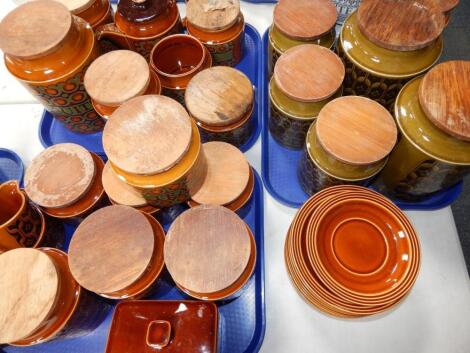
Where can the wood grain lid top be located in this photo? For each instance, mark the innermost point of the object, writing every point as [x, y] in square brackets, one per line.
[34, 28]
[309, 73]
[111, 249]
[356, 130]
[207, 248]
[305, 19]
[77, 6]
[119, 191]
[227, 175]
[401, 25]
[147, 134]
[212, 15]
[219, 96]
[444, 95]
[447, 5]
[116, 77]
[60, 175]
[29, 285]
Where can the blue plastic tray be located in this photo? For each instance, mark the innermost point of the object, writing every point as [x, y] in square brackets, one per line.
[279, 168]
[242, 321]
[51, 131]
[11, 166]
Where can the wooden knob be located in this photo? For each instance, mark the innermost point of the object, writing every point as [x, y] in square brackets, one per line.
[212, 15]
[77, 6]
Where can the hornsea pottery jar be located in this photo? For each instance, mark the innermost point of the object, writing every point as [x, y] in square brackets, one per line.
[385, 43]
[153, 145]
[433, 115]
[116, 77]
[306, 77]
[221, 101]
[348, 144]
[297, 22]
[40, 300]
[220, 26]
[95, 12]
[48, 50]
[140, 24]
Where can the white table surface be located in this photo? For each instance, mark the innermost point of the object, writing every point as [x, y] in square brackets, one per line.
[435, 318]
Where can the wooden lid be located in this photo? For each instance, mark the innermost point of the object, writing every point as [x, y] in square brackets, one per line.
[356, 130]
[116, 77]
[77, 6]
[444, 95]
[305, 19]
[119, 191]
[219, 96]
[212, 15]
[207, 248]
[227, 175]
[147, 134]
[29, 285]
[447, 5]
[400, 25]
[309, 73]
[34, 29]
[59, 175]
[111, 249]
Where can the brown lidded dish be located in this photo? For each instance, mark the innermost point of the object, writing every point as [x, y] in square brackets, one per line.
[348, 144]
[65, 181]
[210, 253]
[229, 180]
[95, 12]
[306, 77]
[116, 77]
[221, 101]
[220, 26]
[40, 300]
[117, 252]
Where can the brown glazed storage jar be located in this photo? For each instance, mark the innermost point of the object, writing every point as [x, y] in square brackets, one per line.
[117, 252]
[40, 300]
[306, 77]
[220, 26]
[48, 50]
[221, 101]
[95, 12]
[348, 144]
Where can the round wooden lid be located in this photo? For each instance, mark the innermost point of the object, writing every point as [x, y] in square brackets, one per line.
[29, 285]
[59, 175]
[207, 248]
[34, 29]
[119, 191]
[444, 95]
[77, 6]
[227, 175]
[111, 249]
[219, 96]
[212, 15]
[116, 77]
[447, 5]
[309, 73]
[356, 130]
[147, 134]
[400, 25]
[305, 19]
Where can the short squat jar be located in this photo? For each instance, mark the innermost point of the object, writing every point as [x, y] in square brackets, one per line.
[306, 78]
[348, 144]
[297, 22]
[221, 101]
[95, 12]
[220, 26]
[382, 52]
[433, 115]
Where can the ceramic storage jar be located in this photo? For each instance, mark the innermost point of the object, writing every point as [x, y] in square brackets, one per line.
[297, 22]
[153, 145]
[220, 26]
[48, 50]
[382, 51]
[40, 300]
[305, 78]
[116, 77]
[221, 101]
[117, 252]
[348, 144]
[210, 253]
[95, 12]
[433, 115]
